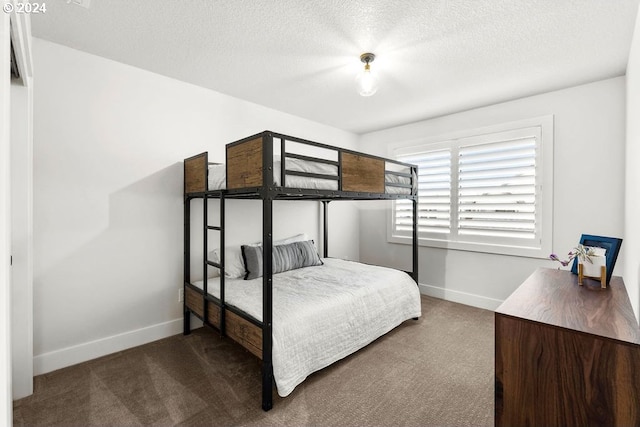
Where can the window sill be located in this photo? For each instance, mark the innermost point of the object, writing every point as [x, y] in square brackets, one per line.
[498, 249]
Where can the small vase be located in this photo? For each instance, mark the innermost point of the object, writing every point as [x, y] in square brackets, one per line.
[593, 268]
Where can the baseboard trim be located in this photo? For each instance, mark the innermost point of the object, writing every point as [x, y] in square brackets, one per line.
[460, 297]
[73, 355]
[58, 359]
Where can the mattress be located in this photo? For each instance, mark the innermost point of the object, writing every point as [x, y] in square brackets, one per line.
[217, 176]
[322, 314]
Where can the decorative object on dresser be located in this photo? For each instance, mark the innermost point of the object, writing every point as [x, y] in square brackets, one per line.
[595, 258]
[611, 245]
[566, 355]
[591, 263]
[594, 267]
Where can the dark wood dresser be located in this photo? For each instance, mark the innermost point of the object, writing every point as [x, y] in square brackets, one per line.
[567, 355]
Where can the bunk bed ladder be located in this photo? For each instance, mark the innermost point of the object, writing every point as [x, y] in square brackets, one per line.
[207, 262]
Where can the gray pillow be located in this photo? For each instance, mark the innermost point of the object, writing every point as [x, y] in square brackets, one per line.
[285, 257]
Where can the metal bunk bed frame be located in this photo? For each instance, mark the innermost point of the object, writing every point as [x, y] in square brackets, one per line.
[268, 193]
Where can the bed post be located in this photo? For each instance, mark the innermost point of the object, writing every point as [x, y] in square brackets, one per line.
[267, 271]
[267, 308]
[325, 228]
[415, 239]
[187, 265]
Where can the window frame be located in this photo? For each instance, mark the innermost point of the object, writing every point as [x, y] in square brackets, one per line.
[541, 246]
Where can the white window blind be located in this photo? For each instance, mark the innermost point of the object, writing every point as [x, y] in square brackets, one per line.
[481, 192]
[434, 188]
[497, 189]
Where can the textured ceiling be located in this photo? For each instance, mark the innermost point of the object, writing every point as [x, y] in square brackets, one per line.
[433, 57]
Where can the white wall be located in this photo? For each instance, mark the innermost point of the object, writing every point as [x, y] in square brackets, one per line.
[109, 141]
[632, 193]
[588, 189]
[6, 408]
[22, 237]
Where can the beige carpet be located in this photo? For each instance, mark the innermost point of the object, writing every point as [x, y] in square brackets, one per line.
[434, 371]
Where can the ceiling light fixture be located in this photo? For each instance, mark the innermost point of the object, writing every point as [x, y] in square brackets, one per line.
[367, 81]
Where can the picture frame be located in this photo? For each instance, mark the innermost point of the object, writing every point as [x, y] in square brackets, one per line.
[610, 244]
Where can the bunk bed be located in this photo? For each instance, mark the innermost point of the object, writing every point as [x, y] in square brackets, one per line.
[269, 166]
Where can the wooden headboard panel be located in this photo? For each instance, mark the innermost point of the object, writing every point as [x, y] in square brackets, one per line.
[195, 173]
[244, 164]
[362, 173]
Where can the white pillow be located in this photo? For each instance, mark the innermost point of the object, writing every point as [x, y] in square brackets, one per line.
[234, 264]
[302, 237]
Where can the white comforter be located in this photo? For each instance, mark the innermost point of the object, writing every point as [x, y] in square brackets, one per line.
[322, 314]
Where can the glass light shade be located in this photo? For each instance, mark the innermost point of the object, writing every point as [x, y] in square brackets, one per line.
[367, 82]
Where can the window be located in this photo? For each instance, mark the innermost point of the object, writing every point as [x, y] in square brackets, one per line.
[486, 190]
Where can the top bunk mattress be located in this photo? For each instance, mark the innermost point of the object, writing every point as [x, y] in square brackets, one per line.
[217, 179]
[322, 314]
